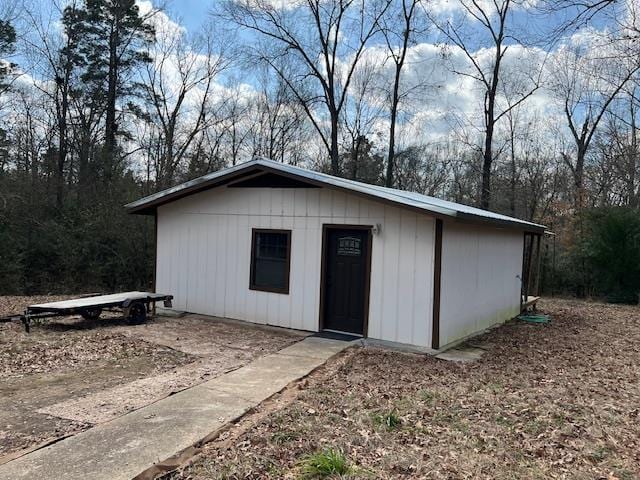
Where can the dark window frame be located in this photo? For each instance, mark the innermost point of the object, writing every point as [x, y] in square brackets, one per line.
[252, 268]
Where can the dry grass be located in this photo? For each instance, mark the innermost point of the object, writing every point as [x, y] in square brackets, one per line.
[546, 401]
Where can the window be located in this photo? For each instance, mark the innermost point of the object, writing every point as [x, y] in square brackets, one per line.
[270, 259]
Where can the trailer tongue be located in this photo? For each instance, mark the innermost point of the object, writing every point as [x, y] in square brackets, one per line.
[135, 306]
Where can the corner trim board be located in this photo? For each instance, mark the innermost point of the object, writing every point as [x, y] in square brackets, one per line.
[437, 276]
[155, 252]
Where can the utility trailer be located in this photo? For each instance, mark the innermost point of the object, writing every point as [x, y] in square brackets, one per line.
[134, 307]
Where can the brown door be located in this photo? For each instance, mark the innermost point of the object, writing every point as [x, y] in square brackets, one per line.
[346, 279]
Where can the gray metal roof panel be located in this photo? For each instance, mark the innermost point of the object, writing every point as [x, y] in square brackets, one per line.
[411, 199]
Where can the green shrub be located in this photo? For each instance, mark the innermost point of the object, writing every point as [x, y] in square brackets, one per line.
[324, 464]
[389, 420]
[282, 437]
[611, 248]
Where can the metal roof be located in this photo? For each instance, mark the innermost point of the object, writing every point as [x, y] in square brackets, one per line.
[414, 201]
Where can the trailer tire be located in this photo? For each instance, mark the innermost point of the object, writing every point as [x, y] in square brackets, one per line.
[91, 313]
[137, 313]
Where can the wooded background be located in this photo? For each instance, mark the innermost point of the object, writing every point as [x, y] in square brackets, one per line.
[104, 101]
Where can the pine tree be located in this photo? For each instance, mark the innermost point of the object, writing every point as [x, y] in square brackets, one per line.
[113, 36]
[7, 42]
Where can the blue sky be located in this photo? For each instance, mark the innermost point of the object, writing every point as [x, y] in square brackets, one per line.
[192, 13]
[456, 94]
[439, 113]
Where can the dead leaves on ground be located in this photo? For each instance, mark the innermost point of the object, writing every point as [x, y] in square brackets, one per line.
[66, 344]
[546, 401]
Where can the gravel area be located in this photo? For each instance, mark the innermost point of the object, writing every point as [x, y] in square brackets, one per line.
[69, 374]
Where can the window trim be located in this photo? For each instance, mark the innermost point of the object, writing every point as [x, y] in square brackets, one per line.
[252, 266]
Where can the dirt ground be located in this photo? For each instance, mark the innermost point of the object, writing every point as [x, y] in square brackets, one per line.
[544, 401]
[69, 374]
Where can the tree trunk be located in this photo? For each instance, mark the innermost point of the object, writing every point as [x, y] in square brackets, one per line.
[487, 160]
[578, 179]
[392, 130]
[62, 153]
[62, 145]
[112, 82]
[512, 196]
[334, 154]
[84, 151]
[514, 169]
[632, 199]
[395, 99]
[355, 157]
[168, 160]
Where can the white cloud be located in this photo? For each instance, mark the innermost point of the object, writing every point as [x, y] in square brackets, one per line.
[453, 7]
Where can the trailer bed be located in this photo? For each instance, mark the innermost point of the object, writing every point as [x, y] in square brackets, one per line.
[134, 306]
[102, 301]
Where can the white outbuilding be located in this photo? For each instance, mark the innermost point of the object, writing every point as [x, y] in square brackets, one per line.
[281, 245]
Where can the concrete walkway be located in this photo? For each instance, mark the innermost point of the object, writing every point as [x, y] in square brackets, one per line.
[124, 447]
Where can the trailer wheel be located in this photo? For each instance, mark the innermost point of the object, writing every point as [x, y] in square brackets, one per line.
[91, 313]
[137, 313]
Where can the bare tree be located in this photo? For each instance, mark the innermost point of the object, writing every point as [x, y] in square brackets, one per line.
[492, 19]
[619, 149]
[362, 112]
[529, 180]
[178, 85]
[52, 56]
[399, 28]
[520, 138]
[586, 83]
[280, 122]
[425, 168]
[327, 39]
[236, 124]
[622, 16]
[512, 118]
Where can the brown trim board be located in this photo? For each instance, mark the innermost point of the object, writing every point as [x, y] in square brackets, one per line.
[437, 277]
[524, 259]
[538, 262]
[323, 268]
[155, 252]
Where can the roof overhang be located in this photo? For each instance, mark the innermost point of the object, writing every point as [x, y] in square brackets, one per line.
[148, 205]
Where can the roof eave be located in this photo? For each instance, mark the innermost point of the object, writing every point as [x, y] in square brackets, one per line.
[525, 226]
[149, 204]
[142, 207]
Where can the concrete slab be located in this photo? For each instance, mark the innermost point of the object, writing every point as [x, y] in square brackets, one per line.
[128, 445]
[169, 312]
[397, 346]
[485, 344]
[264, 377]
[316, 347]
[462, 354]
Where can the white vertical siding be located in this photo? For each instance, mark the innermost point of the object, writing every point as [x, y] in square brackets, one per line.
[479, 285]
[204, 247]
